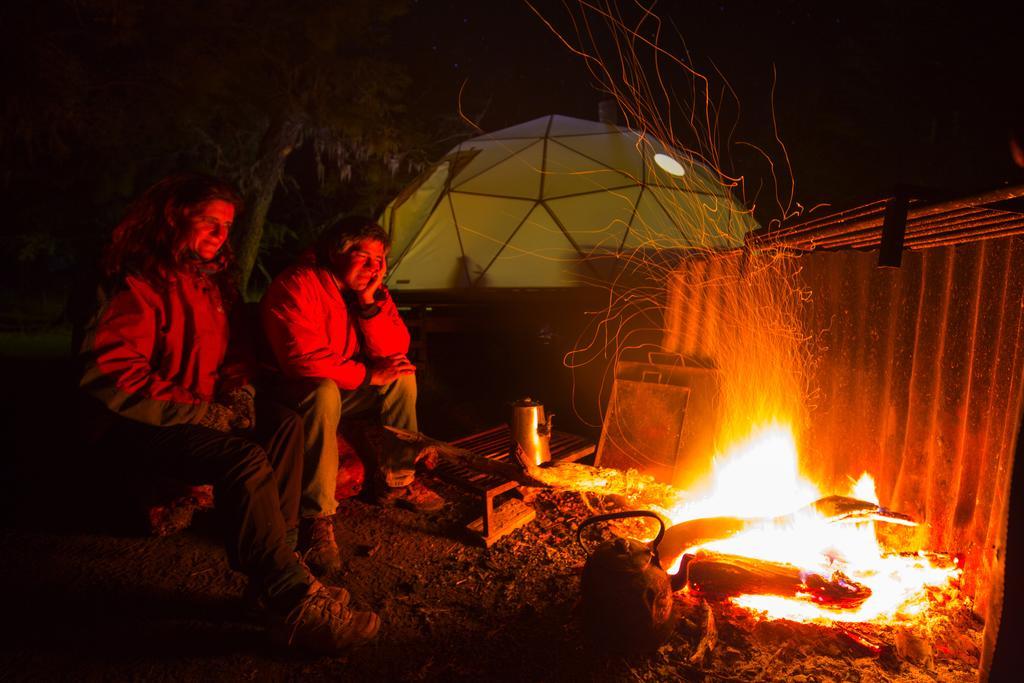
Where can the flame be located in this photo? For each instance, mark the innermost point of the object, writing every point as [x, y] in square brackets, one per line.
[763, 463]
[758, 480]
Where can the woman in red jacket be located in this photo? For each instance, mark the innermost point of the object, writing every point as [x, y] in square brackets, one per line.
[155, 356]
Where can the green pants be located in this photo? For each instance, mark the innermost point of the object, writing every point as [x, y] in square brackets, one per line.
[321, 405]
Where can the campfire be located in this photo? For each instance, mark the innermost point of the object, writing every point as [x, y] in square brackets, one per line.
[769, 541]
[820, 558]
[849, 475]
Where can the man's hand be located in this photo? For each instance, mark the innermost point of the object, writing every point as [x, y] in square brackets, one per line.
[387, 370]
[366, 296]
[242, 403]
[219, 417]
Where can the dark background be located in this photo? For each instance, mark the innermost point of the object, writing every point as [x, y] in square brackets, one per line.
[814, 105]
[103, 97]
[867, 95]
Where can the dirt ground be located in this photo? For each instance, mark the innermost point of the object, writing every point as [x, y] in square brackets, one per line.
[90, 599]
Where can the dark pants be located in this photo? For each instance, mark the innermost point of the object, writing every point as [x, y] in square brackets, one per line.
[321, 405]
[257, 482]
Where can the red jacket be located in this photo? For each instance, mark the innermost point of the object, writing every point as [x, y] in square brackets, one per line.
[315, 332]
[154, 352]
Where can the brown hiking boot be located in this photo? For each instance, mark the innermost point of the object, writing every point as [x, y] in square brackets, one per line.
[321, 624]
[317, 546]
[254, 602]
[415, 496]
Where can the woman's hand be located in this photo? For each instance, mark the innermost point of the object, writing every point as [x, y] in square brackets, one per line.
[387, 370]
[242, 403]
[219, 417]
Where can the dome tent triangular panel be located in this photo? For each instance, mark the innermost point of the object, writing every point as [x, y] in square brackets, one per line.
[480, 157]
[654, 228]
[707, 221]
[591, 209]
[414, 206]
[597, 223]
[434, 258]
[614, 151]
[485, 225]
[517, 175]
[570, 173]
[538, 252]
[696, 176]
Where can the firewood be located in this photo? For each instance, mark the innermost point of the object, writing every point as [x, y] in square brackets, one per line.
[843, 509]
[708, 640]
[719, 575]
[434, 449]
[914, 648]
[695, 532]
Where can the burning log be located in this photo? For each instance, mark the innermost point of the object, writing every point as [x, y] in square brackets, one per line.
[844, 509]
[868, 643]
[837, 509]
[695, 532]
[431, 449]
[718, 575]
[708, 640]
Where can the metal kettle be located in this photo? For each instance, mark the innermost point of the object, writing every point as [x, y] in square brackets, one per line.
[531, 433]
[627, 604]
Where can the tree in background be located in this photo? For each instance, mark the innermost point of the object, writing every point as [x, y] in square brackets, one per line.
[108, 94]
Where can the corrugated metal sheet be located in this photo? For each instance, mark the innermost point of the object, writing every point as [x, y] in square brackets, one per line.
[919, 379]
[915, 222]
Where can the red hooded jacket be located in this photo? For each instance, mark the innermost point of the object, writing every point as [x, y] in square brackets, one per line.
[155, 351]
[314, 332]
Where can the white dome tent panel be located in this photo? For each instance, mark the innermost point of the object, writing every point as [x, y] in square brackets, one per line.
[434, 258]
[413, 207]
[695, 176]
[707, 220]
[539, 252]
[516, 176]
[597, 222]
[570, 173]
[485, 225]
[654, 228]
[479, 157]
[614, 151]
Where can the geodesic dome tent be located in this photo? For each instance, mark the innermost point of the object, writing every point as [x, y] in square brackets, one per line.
[554, 202]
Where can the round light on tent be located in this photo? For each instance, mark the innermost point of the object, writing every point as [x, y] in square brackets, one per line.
[669, 165]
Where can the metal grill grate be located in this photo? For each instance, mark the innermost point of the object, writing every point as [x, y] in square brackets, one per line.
[496, 444]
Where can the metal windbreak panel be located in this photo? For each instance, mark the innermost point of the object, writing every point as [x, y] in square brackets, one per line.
[642, 427]
[661, 420]
[916, 377]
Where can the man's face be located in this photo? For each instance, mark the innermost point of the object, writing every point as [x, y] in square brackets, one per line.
[360, 264]
[208, 226]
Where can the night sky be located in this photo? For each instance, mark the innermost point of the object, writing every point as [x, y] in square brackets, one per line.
[868, 95]
[106, 96]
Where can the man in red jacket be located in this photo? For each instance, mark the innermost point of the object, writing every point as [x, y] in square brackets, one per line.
[341, 348]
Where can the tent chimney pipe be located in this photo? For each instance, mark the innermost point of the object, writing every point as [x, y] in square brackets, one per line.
[608, 112]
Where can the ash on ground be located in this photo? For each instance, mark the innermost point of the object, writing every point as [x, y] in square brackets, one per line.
[121, 606]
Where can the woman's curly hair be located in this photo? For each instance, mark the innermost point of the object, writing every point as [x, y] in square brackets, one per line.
[151, 239]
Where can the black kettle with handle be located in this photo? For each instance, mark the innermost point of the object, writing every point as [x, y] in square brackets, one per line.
[627, 604]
